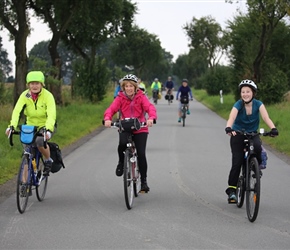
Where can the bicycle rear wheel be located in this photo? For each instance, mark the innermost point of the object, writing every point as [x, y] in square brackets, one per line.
[23, 184]
[42, 181]
[241, 188]
[253, 190]
[128, 180]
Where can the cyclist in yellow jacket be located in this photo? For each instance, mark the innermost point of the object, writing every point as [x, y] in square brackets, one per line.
[156, 89]
[38, 105]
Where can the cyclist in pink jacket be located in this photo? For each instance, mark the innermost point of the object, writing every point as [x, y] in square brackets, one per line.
[132, 103]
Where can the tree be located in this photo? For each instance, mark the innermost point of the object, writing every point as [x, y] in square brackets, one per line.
[139, 48]
[267, 13]
[206, 34]
[14, 17]
[5, 63]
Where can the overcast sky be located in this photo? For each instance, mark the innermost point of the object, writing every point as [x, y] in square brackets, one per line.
[164, 18]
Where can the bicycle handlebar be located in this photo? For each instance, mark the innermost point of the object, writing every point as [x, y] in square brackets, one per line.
[15, 132]
[265, 133]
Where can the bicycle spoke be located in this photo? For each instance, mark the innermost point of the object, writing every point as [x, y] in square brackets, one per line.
[128, 181]
[42, 182]
[23, 185]
[253, 190]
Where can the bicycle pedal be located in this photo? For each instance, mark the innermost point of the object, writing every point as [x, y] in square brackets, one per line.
[232, 201]
[143, 192]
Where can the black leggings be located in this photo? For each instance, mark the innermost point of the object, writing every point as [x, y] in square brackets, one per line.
[140, 144]
[237, 147]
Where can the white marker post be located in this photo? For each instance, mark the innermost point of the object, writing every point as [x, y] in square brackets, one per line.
[221, 99]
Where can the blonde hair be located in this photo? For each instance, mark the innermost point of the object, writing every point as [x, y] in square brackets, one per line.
[124, 82]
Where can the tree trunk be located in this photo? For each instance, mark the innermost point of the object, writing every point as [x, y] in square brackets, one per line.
[56, 63]
[21, 61]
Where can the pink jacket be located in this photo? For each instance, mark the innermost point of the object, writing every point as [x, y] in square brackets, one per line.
[135, 108]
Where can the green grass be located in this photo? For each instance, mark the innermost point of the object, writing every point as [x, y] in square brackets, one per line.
[279, 114]
[75, 120]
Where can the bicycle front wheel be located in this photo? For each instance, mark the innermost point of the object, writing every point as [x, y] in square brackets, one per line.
[183, 117]
[253, 189]
[42, 181]
[128, 181]
[23, 184]
[241, 188]
[137, 180]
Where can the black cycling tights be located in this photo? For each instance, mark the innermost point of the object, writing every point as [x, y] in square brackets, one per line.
[140, 143]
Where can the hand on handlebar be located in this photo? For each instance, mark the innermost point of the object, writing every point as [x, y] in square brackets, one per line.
[108, 123]
[274, 132]
[8, 131]
[229, 131]
[149, 123]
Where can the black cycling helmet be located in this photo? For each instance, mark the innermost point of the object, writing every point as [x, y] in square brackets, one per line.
[184, 80]
[248, 83]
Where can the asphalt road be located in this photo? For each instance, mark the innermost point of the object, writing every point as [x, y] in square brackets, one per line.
[186, 208]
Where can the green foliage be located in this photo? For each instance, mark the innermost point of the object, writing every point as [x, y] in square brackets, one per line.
[91, 79]
[214, 81]
[275, 84]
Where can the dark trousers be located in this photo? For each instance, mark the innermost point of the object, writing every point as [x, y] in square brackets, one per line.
[237, 147]
[140, 141]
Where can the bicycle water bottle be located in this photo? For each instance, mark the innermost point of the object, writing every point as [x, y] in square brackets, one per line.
[34, 165]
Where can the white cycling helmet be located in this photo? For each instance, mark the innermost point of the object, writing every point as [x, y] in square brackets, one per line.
[130, 77]
[248, 83]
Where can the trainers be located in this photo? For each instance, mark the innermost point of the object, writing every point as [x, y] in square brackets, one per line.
[179, 119]
[188, 112]
[144, 187]
[47, 167]
[119, 169]
[232, 198]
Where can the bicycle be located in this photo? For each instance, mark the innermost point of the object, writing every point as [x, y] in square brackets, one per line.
[249, 182]
[184, 108]
[131, 174]
[30, 172]
[155, 95]
[169, 97]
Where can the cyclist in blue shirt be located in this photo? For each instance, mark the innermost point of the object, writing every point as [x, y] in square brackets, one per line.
[117, 89]
[184, 91]
[245, 115]
[169, 87]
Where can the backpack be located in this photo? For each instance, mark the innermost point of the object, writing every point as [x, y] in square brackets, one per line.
[55, 154]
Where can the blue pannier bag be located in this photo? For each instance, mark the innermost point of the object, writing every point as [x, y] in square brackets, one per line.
[27, 134]
[264, 157]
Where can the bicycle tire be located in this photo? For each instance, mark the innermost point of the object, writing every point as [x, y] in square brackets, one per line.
[42, 186]
[128, 181]
[23, 184]
[241, 189]
[253, 189]
[183, 116]
[137, 181]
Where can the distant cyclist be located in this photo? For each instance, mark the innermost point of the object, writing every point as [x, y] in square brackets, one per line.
[156, 89]
[169, 87]
[183, 93]
[142, 86]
